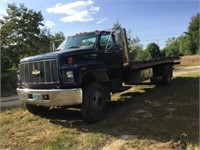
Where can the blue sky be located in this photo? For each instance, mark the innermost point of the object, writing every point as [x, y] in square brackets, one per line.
[150, 20]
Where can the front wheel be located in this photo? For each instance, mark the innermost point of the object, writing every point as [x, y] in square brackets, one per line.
[94, 103]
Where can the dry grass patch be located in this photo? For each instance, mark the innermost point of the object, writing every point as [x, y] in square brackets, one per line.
[190, 60]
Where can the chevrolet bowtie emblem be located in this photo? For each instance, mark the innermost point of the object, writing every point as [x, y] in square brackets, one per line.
[36, 72]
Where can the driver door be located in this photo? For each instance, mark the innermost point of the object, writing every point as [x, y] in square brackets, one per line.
[110, 54]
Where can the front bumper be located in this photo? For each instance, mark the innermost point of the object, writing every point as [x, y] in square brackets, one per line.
[55, 97]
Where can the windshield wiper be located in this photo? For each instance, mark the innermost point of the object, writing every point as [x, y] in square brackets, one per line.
[74, 47]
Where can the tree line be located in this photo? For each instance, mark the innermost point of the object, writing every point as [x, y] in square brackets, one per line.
[186, 44]
[23, 34]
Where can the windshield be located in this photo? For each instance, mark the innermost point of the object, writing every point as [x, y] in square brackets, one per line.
[81, 41]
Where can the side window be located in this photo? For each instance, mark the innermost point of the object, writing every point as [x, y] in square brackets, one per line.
[106, 42]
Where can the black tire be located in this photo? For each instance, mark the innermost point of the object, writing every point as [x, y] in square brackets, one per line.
[155, 81]
[167, 75]
[164, 77]
[37, 110]
[94, 104]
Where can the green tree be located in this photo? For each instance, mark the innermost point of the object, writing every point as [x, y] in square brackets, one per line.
[172, 47]
[21, 34]
[186, 44]
[154, 50]
[117, 25]
[136, 50]
[57, 38]
[193, 32]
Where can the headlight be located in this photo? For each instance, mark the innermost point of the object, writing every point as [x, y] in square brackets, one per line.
[68, 76]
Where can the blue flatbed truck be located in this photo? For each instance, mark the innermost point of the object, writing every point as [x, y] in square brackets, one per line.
[84, 71]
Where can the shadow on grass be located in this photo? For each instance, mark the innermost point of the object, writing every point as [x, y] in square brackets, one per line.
[161, 113]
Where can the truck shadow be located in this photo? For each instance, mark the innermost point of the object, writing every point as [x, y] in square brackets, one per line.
[160, 113]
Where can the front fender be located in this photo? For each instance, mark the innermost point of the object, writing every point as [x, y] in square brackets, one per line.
[96, 75]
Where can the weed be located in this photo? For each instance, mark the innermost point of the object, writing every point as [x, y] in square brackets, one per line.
[65, 141]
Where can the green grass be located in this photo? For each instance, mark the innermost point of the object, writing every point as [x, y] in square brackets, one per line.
[153, 117]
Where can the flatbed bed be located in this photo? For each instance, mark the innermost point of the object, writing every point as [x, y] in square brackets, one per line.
[137, 65]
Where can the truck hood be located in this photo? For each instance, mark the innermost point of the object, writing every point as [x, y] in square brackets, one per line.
[54, 55]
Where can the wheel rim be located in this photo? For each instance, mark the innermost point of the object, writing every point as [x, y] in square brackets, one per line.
[97, 102]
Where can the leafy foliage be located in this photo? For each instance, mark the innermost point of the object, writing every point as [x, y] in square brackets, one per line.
[154, 50]
[23, 35]
[135, 47]
[172, 47]
[193, 32]
[57, 38]
[117, 25]
[136, 50]
[186, 44]
[20, 32]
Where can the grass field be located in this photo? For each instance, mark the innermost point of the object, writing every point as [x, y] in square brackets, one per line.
[190, 60]
[143, 117]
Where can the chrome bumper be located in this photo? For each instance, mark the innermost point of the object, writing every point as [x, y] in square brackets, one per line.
[53, 97]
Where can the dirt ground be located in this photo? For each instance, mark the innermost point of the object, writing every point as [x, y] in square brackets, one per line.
[182, 70]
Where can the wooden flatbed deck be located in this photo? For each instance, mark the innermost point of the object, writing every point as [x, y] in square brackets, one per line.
[138, 65]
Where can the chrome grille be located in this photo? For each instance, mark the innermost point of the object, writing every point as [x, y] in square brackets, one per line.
[39, 72]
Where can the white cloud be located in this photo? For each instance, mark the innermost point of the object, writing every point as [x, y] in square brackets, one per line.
[77, 11]
[49, 24]
[102, 20]
[5, 1]
[94, 9]
[2, 14]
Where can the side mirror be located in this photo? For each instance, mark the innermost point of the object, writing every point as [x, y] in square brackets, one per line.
[52, 46]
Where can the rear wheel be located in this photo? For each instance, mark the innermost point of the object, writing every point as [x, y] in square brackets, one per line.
[37, 110]
[94, 103]
[162, 74]
[167, 75]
